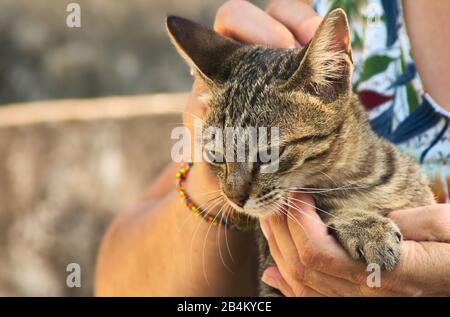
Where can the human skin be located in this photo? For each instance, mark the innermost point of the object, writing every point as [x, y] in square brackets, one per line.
[146, 251]
[159, 248]
[133, 259]
[429, 30]
[310, 262]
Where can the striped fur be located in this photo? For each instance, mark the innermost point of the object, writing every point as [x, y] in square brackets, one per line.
[326, 137]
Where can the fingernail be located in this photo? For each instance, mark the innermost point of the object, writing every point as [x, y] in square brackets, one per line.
[265, 228]
[296, 45]
[269, 280]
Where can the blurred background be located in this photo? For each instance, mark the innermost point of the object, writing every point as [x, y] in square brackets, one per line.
[120, 49]
[70, 161]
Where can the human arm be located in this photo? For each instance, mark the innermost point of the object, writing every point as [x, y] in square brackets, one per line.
[159, 248]
[428, 28]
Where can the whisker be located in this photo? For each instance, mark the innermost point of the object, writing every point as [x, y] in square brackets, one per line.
[304, 213]
[205, 275]
[289, 216]
[227, 220]
[209, 204]
[205, 193]
[320, 209]
[275, 190]
[329, 177]
[312, 190]
[192, 242]
[295, 220]
[218, 243]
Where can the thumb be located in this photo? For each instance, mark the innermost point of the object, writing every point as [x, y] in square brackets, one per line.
[428, 223]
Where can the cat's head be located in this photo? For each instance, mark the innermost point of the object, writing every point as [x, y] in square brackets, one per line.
[302, 93]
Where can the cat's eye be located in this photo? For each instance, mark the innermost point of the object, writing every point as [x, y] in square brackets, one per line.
[214, 157]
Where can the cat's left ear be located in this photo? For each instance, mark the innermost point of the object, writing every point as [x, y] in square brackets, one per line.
[326, 63]
[203, 49]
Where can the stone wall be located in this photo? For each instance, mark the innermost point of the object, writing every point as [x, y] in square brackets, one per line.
[66, 168]
[121, 48]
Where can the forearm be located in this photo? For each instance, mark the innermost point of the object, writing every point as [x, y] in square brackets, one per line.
[161, 249]
[429, 30]
[163, 184]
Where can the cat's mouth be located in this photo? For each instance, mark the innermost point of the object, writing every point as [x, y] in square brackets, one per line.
[253, 209]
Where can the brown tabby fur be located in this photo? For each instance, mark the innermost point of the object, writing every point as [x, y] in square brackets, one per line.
[327, 141]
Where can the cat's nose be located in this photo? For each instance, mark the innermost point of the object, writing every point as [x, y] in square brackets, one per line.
[239, 198]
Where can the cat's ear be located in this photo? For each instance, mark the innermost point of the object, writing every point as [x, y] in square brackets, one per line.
[326, 63]
[203, 49]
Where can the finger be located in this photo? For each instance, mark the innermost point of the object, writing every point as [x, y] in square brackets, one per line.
[428, 223]
[273, 278]
[336, 286]
[283, 239]
[317, 249]
[303, 281]
[330, 285]
[284, 251]
[297, 16]
[277, 257]
[347, 277]
[273, 247]
[409, 278]
[321, 252]
[422, 270]
[304, 217]
[247, 23]
[287, 259]
[296, 275]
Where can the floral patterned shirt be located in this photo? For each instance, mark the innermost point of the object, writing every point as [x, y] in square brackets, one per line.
[389, 87]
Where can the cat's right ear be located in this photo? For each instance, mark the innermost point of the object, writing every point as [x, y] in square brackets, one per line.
[203, 49]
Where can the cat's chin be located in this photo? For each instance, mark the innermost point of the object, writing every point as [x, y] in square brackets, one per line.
[252, 212]
[257, 213]
[260, 212]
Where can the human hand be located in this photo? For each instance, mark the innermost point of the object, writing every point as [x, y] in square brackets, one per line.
[310, 262]
[284, 23]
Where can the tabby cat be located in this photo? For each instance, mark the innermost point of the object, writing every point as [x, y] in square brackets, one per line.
[327, 145]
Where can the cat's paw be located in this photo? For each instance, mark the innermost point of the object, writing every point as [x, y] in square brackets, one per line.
[372, 238]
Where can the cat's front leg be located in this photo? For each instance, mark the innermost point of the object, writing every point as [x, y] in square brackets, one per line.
[367, 236]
